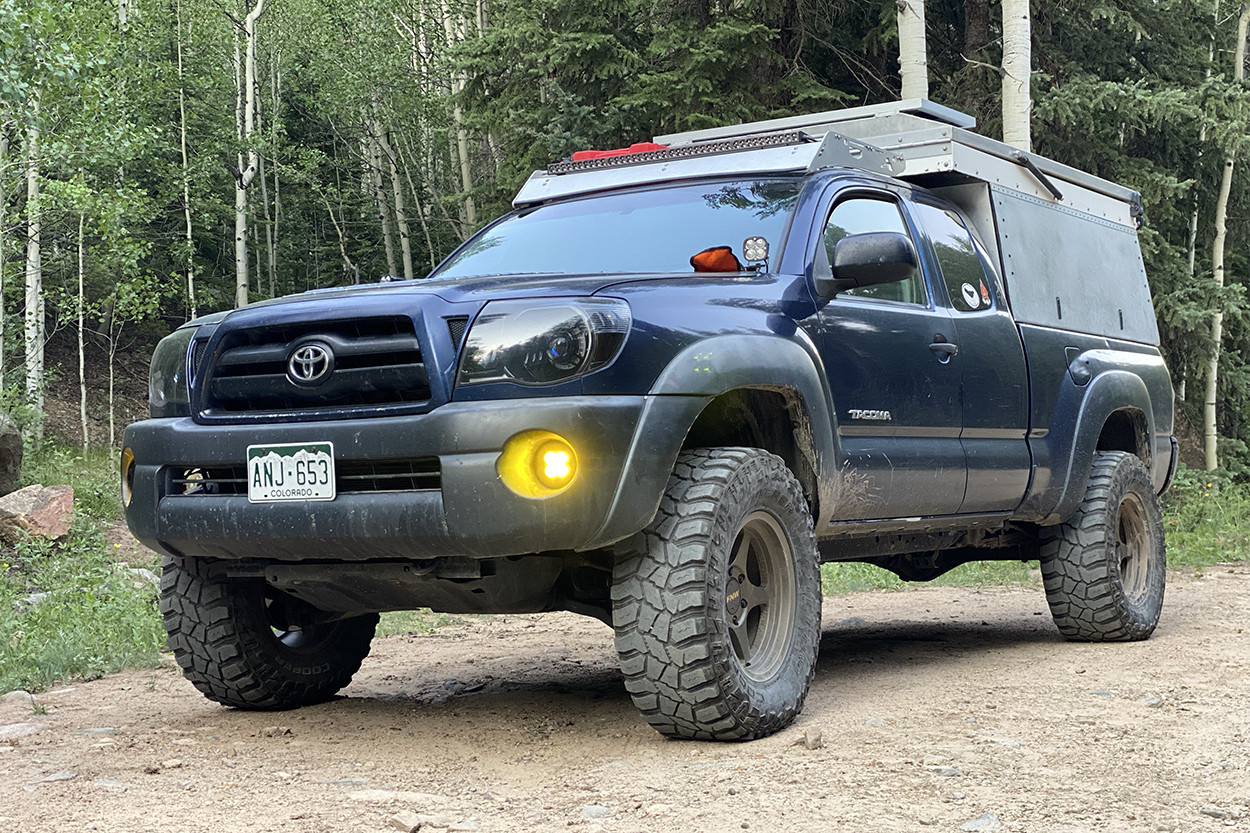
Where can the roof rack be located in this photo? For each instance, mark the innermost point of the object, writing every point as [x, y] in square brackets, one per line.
[913, 140]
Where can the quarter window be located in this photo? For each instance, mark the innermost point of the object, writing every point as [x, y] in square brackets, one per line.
[859, 215]
[966, 284]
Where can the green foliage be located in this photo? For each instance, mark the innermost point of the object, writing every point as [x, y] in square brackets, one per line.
[838, 579]
[68, 610]
[1206, 519]
[419, 622]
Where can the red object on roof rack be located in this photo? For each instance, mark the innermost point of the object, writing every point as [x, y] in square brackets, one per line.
[637, 147]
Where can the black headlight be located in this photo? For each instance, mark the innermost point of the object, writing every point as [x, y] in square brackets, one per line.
[168, 392]
[543, 342]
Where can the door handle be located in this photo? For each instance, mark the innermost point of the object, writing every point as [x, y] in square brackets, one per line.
[944, 350]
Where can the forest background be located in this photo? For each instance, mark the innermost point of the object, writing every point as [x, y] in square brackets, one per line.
[179, 157]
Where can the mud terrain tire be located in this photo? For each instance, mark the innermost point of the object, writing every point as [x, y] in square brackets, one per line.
[236, 642]
[716, 605]
[1104, 569]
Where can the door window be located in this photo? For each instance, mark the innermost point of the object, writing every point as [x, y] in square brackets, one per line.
[859, 215]
[962, 272]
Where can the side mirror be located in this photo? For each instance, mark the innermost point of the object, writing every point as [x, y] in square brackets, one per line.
[868, 259]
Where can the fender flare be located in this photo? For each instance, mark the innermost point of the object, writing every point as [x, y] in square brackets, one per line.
[1108, 392]
[720, 364]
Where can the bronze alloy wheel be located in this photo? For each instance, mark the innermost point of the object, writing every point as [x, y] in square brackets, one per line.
[759, 596]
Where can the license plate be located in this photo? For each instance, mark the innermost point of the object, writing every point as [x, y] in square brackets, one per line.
[290, 472]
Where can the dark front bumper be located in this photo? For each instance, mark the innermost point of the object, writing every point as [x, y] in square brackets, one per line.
[626, 448]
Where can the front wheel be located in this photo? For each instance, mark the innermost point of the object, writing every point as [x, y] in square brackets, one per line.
[716, 606]
[247, 645]
[1104, 569]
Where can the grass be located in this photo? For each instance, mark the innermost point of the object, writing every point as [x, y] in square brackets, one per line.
[95, 615]
[68, 610]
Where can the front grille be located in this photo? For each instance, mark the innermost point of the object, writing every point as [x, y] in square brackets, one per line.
[376, 362]
[351, 477]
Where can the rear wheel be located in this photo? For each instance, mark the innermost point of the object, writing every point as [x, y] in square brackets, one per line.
[1105, 569]
[717, 605]
[245, 644]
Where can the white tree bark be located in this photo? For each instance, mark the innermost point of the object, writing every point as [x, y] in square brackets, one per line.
[4, 201]
[34, 335]
[1209, 435]
[913, 60]
[186, 172]
[373, 179]
[245, 111]
[82, 370]
[401, 219]
[455, 31]
[1017, 70]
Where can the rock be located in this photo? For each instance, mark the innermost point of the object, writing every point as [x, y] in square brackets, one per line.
[99, 730]
[63, 775]
[1101, 692]
[442, 821]
[813, 738]
[274, 731]
[851, 622]
[927, 822]
[466, 826]
[144, 575]
[987, 822]
[18, 696]
[1213, 812]
[172, 763]
[1010, 743]
[42, 511]
[946, 771]
[595, 811]
[874, 721]
[659, 810]
[18, 730]
[114, 784]
[1151, 701]
[405, 821]
[934, 760]
[10, 455]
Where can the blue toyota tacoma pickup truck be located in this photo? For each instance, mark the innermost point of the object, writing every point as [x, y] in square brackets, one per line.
[662, 392]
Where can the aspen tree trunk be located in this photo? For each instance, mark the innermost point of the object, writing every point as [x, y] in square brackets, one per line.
[186, 170]
[416, 199]
[913, 62]
[245, 108]
[264, 198]
[373, 175]
[34, 334]
[82, 370]
[405, 242]
[455, 31]
[1217, 263]
[1193, 217]
[4, 202]
[1016, 71]
[275, 87]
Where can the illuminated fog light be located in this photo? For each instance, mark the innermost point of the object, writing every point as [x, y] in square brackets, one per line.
[537, 464]
[128, 475]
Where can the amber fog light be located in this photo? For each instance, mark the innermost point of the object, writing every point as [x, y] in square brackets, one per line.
[537, 464]
[128, 475]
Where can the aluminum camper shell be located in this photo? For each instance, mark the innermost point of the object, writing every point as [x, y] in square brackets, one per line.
[1065, 240]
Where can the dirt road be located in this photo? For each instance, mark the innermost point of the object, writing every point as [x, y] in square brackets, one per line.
[936, 707]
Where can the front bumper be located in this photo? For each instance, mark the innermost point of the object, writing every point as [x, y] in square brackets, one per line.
[627, 446]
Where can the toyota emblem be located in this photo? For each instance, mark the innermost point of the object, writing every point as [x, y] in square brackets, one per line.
[310, 364]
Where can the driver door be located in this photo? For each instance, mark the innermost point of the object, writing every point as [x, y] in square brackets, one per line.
[895, 378]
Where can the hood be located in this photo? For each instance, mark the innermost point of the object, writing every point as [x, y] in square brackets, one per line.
[472, 290]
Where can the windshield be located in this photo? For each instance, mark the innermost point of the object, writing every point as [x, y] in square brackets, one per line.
[653, 230]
